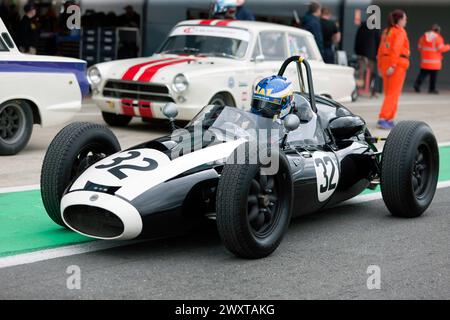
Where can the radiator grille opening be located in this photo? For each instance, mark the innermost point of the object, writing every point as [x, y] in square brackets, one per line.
[134, 90]
[93, 221]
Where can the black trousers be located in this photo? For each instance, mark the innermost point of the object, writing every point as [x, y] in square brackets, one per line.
[329, 56]
[423, 75]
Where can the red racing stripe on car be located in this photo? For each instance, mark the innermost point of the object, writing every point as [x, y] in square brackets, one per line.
[131, 73]
[145, 109]
[223, 23]
[127, 107]
[150, 72]
[206, 22]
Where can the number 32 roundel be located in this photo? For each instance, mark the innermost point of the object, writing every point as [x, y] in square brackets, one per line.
[327, 172]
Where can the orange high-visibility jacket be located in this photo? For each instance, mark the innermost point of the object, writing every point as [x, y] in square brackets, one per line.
[394, 49]
[431, 47]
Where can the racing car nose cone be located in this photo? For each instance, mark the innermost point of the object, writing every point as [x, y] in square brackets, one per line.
[101, 216]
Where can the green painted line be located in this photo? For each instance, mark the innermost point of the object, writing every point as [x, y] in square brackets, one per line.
[25, 226]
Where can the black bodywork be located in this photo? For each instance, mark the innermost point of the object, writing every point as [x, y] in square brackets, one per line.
[188, 200]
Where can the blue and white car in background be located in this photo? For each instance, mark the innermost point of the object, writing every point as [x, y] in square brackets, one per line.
[35, 90]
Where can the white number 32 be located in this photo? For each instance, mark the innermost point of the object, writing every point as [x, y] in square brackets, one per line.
[327, 172]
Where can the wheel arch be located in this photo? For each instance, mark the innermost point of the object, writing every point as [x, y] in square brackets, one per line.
[227, 94]
[37, 119]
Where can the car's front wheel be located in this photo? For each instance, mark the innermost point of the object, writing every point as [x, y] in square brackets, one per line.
[222, 99]
[16, 127]
[73, 150]
[410, 169]
[254, 207]
[116, 120]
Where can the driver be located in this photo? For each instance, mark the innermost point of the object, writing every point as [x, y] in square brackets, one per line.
[273, 98]
[225, 9]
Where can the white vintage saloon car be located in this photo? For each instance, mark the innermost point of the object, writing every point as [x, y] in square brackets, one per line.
[35, 90]
[210, 62]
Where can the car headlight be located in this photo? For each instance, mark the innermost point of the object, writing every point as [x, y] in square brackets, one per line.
[94, 76]
[180, 83]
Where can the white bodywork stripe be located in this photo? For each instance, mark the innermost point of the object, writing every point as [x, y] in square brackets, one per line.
[178, 166]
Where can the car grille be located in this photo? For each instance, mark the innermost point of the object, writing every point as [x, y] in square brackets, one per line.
[134, 90]
[95, 222]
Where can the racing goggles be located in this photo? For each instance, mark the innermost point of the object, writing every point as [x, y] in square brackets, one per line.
[269, 107]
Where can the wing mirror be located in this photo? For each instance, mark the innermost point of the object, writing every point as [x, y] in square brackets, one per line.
[346, 127]
[291, 122]
[260, 58]
[170, 111]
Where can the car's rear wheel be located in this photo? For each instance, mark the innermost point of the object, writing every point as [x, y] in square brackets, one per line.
[116, 120]
[73, 150]
[254, 209]
[16, 126]
[410, 169]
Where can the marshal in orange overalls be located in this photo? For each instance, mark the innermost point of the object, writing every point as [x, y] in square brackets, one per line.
[394, 51]
[431, 47]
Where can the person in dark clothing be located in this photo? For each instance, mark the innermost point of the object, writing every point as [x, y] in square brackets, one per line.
[26, 35]
[243, 13]
[366, 48]
[367, 42]
[331, 36]
[311, 22]
[9, 16]
[131, 18]
[4, 11]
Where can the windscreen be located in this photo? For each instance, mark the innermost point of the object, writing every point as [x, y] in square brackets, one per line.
[208, 41]
[231, 123]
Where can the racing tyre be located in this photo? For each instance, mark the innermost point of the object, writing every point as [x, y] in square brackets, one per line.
[16, 126]
[73, 150]
[116, 120]
[410, 169]
[253, 209]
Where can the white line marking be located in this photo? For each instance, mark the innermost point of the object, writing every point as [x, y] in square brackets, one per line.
[49, 254]
[20, 189]
[444, 144]
[67, 251]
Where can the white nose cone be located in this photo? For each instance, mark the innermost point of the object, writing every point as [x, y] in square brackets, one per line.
[100, 216]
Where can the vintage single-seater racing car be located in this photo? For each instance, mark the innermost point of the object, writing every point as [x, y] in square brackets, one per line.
[324, 155]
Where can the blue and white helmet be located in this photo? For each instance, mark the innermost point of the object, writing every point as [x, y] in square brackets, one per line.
[273, 97]
[224, 8]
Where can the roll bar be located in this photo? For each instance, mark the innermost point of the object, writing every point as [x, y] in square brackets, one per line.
[300, 60]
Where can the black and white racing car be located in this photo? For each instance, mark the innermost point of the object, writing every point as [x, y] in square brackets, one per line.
[321, 155]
